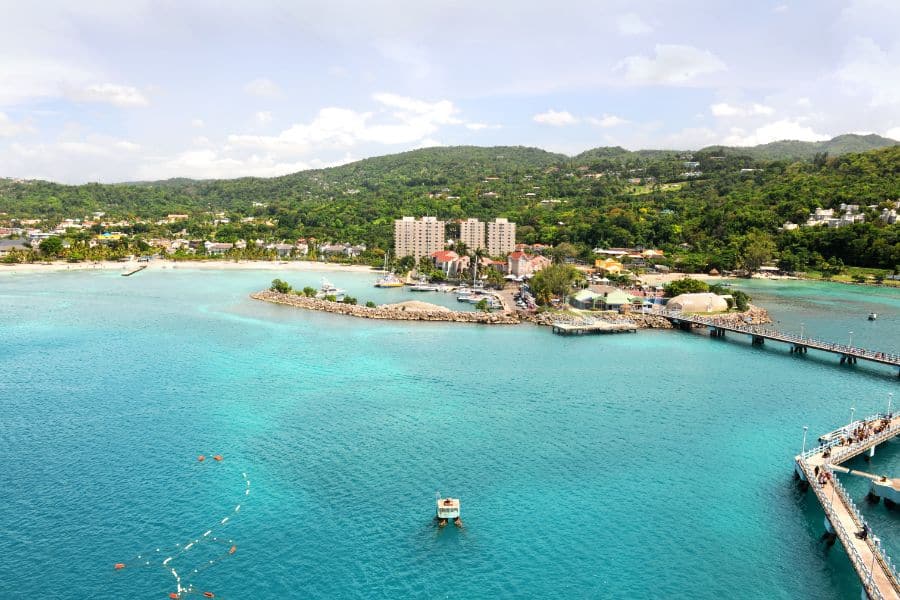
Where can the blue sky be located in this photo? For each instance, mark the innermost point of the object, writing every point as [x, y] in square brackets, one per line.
[102, 91]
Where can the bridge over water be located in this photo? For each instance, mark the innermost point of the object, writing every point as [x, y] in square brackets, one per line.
[798, 343]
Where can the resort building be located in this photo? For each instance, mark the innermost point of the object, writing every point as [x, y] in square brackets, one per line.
[471, 233]
[418, 237]
[608, 266]
[501, 237]
[520, 264]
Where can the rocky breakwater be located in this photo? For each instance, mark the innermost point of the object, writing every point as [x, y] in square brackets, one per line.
[754, 315]
[404, 311]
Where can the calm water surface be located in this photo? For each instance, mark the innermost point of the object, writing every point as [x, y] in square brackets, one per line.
[631, 466]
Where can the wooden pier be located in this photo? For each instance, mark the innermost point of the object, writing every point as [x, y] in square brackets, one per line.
[877, 573]
[593, 327]
[134, 270]
[799, 344]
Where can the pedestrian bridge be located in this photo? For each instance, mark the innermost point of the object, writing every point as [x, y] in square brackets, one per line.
[800, 344]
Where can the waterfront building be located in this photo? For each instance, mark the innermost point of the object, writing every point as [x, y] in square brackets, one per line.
[471, 233]
[418, 237]
[501, 237]
[523, 265]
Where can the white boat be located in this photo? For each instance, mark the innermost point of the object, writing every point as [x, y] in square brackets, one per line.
[424, 287]
[329, 289]
[872, 316]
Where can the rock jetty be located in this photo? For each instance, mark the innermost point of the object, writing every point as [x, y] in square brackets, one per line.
[412, 311]
[423, 311]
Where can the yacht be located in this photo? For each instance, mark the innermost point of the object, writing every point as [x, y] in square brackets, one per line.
[329, 289]
[389, 280]
[872, 316]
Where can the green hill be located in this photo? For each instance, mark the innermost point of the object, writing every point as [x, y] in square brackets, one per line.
[795, 150]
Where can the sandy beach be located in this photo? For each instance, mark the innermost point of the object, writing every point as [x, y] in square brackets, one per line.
[162, 265]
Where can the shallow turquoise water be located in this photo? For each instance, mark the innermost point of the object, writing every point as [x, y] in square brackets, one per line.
[647, 465]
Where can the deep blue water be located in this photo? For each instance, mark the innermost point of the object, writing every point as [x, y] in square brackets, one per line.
[640, 466]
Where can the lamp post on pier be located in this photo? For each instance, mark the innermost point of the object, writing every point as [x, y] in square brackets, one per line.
[890, 401]
[801, 330]
[803, 448]
[851, 340]
[875, 541]
[852, 410]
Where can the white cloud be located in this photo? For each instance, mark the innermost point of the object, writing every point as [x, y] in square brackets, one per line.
[480, 126]
[110, 93]
[873, 71]
[781, 8]
[9, 128]
[607, 121]
[671, 64]
[894, 133]
[632, 24]
[723, 109]
[263, 117]
[784, 129]
[555, 118]
[263, 87]
[402, 120]
[197, 123]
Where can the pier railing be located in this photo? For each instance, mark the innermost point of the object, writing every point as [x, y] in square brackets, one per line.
[864, 570]
[872, 440]
[885, 357]
[881, 556]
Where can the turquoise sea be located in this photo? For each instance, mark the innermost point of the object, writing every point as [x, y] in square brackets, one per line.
[653, 465]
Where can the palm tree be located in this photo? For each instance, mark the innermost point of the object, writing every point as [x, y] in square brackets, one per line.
[476, 259]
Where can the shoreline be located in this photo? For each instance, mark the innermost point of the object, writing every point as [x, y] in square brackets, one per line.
[60, 266]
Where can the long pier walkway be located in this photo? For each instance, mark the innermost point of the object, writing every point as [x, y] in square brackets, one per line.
[800, 344]
[877, 573]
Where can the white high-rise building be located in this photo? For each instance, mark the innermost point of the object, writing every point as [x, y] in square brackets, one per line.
[501, 237]
[471, 233]
[418, 237]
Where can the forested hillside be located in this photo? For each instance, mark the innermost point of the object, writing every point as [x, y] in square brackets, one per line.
[707, 209]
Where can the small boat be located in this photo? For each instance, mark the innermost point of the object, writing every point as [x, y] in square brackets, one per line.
[872, 316]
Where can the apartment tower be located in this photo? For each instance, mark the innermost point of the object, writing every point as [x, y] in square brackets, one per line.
[471, 233]
[501, 237]
[418, 237]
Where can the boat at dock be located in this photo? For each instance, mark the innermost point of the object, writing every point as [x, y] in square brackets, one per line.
[388, 280]
[873, 316]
